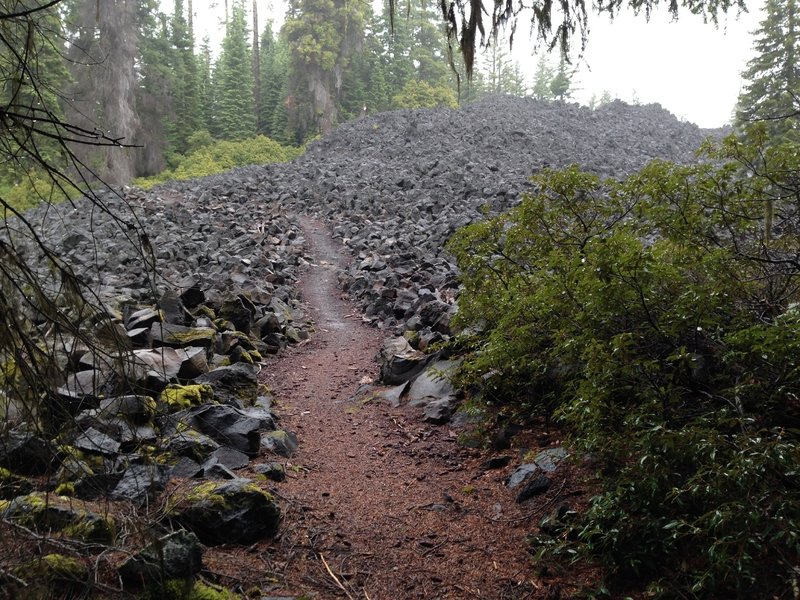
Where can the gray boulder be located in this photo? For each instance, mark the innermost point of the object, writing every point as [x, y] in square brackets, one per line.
[236, 384]
[401, 362]
[178, 555]
[282, 443]
[228, 426]
[25, 453]
[140, 483]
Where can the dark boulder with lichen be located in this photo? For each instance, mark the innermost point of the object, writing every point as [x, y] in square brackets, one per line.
[231, 512]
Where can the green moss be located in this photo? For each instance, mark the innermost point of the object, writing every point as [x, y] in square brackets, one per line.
[203, 591]
[224, 325]
[178, 589]
[150, 406]
[94, 462]
[194, 335]
[47, 575]
[39, 512]
[205, 492]
[35, 501]
[66, 489]
[177, 397]
[4, 505]
[253, 488]
[204, 310]
[90, 528]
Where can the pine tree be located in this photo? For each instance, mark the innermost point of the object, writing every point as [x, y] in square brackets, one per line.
[542, 78]
[24, 102]
[365, 89]
[234, 106]
[502, 74]
[185, 95]
[562, 80]
[205, 89]
[773, 91]
[274, 59]
[154, 94]
[105, 54]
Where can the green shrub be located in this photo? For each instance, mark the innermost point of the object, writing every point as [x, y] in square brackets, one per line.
[210, 158]
[660, 322]
[421, 94]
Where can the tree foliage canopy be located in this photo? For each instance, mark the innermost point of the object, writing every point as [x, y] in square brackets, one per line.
[772, 93]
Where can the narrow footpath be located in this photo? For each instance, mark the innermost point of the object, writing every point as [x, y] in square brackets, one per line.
[377, 503]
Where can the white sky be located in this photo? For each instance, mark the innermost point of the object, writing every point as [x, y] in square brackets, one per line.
[691, 68]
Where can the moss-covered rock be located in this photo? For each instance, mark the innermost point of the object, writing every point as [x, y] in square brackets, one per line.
[12, 485]
[178, 336]
[231, 512]
[176, 397]
[52, 514]
[182, 589]
[50, 576]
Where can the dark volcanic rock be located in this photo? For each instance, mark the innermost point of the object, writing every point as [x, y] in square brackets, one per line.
[178, 555]
[25, 453]
[234, 512]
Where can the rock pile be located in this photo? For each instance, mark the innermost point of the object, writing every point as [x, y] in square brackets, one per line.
[395, 186]
[176, 393]
[159, 380]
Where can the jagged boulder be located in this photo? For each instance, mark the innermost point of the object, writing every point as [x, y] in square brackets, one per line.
[178, 555]
[231, 512]
[25, 452]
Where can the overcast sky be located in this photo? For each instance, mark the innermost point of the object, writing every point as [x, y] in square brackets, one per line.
[691, 68]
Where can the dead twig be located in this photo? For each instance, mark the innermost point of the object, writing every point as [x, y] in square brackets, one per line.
[335, 579]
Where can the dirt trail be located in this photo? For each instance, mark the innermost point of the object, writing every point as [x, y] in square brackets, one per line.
[394, 507]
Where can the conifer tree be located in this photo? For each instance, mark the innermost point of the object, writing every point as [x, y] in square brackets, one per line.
[205, 89]
[772, 93]
[38, 104]
[106, 87]
[185, 99]
[234, 106]
[542, 78]
[562, 80]
[365, 89]
[154, 94]
[274, 67]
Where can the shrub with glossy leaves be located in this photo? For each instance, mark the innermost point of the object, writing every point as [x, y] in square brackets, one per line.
[658, 318]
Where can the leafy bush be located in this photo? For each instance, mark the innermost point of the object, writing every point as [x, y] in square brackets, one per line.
[658, 318]
[212, 158]
[421, 94]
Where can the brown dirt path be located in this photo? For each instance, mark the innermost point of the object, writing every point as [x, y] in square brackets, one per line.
[392, 506]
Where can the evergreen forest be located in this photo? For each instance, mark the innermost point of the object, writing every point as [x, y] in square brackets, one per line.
[135, 70]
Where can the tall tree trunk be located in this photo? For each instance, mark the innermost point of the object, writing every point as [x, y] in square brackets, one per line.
[191, 24]
[106, 84]
[256, 68]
